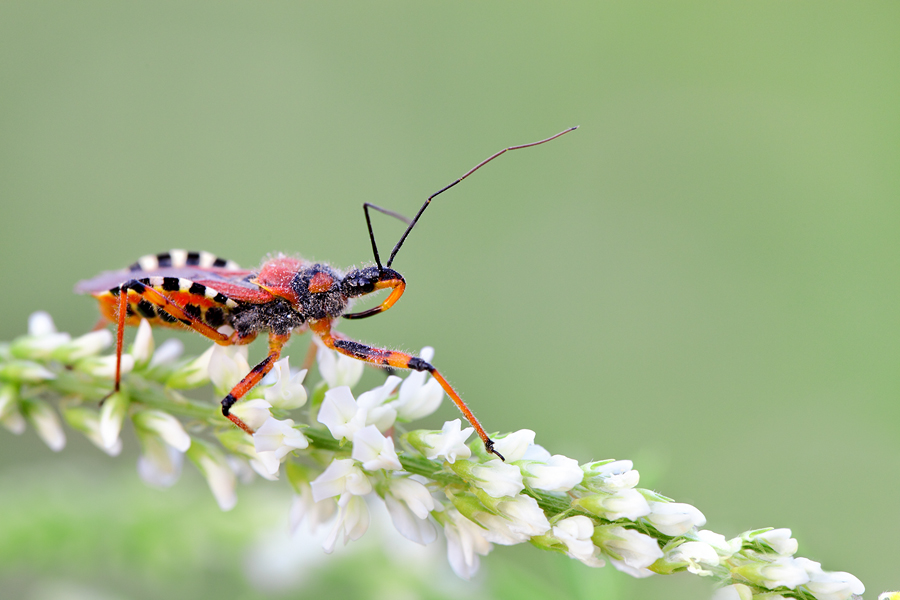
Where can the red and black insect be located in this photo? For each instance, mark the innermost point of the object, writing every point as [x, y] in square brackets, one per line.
[286, 295]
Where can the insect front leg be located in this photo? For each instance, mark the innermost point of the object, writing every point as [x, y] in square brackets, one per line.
[400, 360]
[276, 343]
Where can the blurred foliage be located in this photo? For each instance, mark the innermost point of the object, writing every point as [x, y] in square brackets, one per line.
[703, 278]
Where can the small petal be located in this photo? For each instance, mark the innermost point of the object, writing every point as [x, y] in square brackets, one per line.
[167, 353]
[227, 367]
[342, 478]
[340, 413]
[575, 533]
[40, 323]
[336, 369]
[164, 426]
[556, 474]
[630, 550]
[449, 443]
[465, 542]
[352, 521]
[286, 391]
[253, 412]
[305, 508]
[779, 540]
[519, 519]
[498, 479]
[374, 450]
[514, 445]
[219, 475]
[674, 518]
[81, 347]
[278, 439]
[104, 367]
[159, 463]
[194, 373]
[46, 423]
[142, 349]
[112, 414]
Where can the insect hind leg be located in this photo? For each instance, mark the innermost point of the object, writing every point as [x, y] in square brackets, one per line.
[145, 292]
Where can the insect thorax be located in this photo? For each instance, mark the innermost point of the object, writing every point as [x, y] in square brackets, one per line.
[277, 316]
[318, 292]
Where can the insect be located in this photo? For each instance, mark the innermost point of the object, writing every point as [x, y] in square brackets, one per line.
[286, 295]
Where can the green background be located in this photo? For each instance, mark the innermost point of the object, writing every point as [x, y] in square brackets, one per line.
[703, 278]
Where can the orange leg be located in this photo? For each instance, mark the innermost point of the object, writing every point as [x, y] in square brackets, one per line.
[276, 343]
[400, 360]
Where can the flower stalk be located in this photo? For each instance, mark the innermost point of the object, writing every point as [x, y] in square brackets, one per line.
[345, 451]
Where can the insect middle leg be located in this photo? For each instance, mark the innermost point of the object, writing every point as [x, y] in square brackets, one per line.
[276, 343]
[400, 360]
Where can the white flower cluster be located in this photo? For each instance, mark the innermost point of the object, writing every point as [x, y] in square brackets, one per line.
[353, 451]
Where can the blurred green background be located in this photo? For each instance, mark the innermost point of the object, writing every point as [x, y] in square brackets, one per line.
[703, 278]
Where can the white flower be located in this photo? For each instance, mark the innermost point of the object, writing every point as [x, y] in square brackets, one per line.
[514, 445]
[195, 373]
[42, 337]
[374, 450]
[40, 323]
[253, 412]
[167, 353]
[159, 463]
[352, 521]
[219, 475]
[286, 390]
[575, 533]
[409, 504]
[674, 518]
[227, 367]
[88, 422]
[465, 541]
[783, 571]
[142, 349]
[724, 547]
[81, 347]
[555, 473]
[112, 414]
[340, 413]
[342, 478]
[104, 367]
[305, 508]
[519, 520]
[696, 555]
[420, 394]
[337, 369]
[46, 423]
[164, 426]
[611, 476]
[10, 416]
[630, 551]
[779, 540]
[497, 478]
[275, 440]
[449, 443]
[829, 585]
[625, 503]
[737, 591]
[373, 403]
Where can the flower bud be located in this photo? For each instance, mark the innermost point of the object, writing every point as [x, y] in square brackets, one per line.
[46, 423]
[112, 414]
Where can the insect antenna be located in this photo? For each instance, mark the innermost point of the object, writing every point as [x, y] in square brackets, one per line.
[366, 207]
[444, 189]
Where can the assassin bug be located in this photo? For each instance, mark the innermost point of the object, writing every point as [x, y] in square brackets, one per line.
[286, 295]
